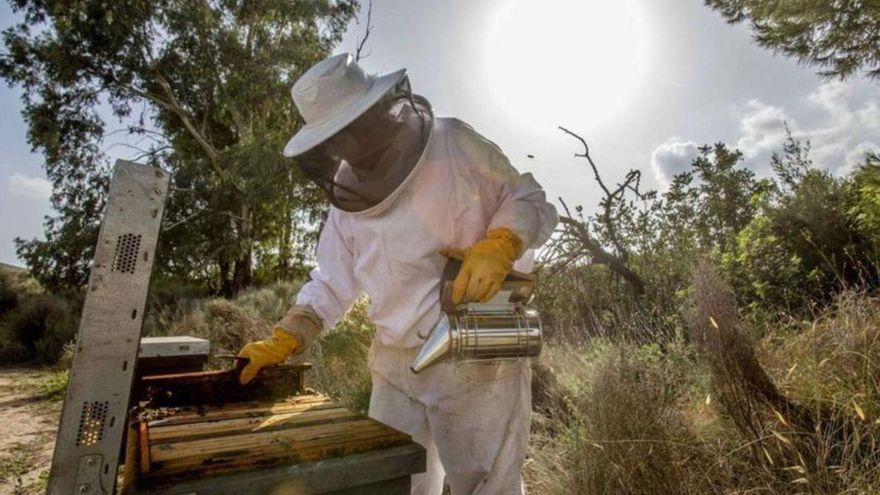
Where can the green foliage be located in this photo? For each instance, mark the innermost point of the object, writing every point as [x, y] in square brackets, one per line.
[38, 329]
[866, 208]
[54, 387]
[841, 37]
[206, 88]
[788, 243]
[701, 213]
[809, 240]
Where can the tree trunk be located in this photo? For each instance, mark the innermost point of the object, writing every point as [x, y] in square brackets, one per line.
[225, 281]
[243, 277]
[284, 243]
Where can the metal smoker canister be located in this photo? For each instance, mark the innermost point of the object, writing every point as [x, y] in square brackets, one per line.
[503, 328]
[482, 332]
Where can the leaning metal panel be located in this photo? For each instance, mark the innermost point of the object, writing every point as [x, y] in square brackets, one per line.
[94, 418]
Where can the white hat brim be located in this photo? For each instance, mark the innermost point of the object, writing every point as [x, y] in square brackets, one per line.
[312, 135]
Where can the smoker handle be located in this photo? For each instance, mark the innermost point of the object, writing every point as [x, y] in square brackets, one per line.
[520, 284]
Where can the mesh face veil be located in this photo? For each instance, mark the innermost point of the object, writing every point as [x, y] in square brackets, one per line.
[371, 158]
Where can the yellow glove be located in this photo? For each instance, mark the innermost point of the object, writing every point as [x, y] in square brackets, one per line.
[485, 266]
[266, 353]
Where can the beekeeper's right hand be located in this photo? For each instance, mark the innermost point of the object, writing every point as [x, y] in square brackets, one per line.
[291, 335]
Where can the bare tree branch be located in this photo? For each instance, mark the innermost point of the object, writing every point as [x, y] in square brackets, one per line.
[602, 257]
[586, 154]
[578, 230]
[367, 30]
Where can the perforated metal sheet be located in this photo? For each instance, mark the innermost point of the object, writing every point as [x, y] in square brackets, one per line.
[94, 417]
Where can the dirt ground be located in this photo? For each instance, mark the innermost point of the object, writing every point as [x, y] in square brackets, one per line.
[28, 423]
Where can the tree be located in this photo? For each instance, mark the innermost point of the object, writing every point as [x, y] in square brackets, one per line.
[205, 85]
[807, 239]
[841, 37]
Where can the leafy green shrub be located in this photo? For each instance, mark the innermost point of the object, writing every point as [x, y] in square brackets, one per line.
[805, 246]
[866, 210]
[42, 325]
[54, 387]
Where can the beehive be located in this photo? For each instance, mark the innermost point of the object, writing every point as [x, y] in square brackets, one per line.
[302, 444]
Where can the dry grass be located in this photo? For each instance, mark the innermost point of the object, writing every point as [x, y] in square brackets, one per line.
[833, 364]
[797, 412]
[798, 439]
[622, 432]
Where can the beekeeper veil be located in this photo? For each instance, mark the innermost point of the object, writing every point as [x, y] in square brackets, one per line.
[364, 134]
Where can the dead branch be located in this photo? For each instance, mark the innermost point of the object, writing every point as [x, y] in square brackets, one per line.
[600, 256]
[367, 30]
[581, 235]
[586, 154]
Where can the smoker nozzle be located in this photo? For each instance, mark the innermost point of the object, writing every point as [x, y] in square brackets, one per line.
[436, 348]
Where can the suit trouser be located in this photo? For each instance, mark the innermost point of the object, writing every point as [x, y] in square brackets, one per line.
[472, 418]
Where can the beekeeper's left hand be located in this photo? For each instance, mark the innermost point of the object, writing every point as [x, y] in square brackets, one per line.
[486, 264]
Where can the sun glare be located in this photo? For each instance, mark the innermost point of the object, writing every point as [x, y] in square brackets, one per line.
[564, 61]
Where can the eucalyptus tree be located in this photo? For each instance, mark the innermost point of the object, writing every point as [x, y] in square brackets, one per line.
[200, 88]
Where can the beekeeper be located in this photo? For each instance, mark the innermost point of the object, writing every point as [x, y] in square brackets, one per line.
[406, 186]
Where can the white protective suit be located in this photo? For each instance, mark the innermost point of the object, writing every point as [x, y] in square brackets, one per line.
[473, 419]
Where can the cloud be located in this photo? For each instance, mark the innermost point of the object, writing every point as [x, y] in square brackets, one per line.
[842, 124]
[672, 157]
[841, 121]
[852, 128]
[762, 129]
[29, 187]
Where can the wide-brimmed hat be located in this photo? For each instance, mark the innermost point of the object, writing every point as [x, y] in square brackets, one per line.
[331, 95]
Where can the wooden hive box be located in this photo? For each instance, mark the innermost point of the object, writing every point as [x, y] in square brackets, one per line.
[298, 445]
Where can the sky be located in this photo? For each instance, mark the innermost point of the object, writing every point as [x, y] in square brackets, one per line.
[645, 82]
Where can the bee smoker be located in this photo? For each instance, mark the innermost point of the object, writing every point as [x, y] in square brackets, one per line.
[505, 327]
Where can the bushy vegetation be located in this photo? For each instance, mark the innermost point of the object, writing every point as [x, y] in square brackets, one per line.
[34, 326]
[722, 340]
[787, 243]
[640, 419]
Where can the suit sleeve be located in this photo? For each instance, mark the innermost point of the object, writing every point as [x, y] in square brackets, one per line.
[522, 203]
[332, 287]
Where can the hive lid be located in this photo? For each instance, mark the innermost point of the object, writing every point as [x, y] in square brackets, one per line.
[180, 345]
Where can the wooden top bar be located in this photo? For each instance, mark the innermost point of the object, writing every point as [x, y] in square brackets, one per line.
[190, 443]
